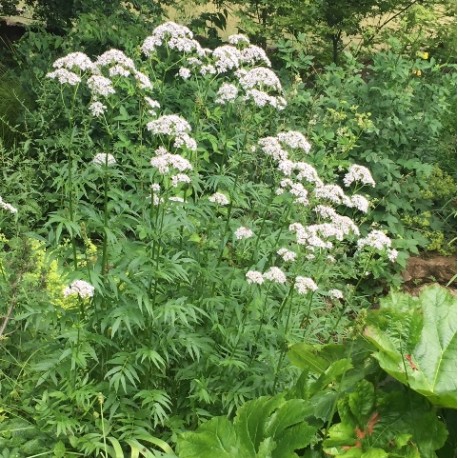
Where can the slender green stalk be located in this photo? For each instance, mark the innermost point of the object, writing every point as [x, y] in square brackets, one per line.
[285, 346]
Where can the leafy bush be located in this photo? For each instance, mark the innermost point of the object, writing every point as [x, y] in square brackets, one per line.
[376, 416]
[395, 116]
[191, 256]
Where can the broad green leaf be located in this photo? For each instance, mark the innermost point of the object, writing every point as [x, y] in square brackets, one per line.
[418, 345]
[362, 400]
[251, 421]
[215, 438]
[375, 453]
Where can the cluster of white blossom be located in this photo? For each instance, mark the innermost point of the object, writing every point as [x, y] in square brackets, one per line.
[153, 105]
[115, 58]
[262, 99]
[164, 161]
[155, 190]
[358, 173]
[243, 233]
[287, 255]
[226, 93]
[219, 199]
[275, 275]
[380, 241]
[304, 284]
[6, 206]
[81, 288]
[294, 188]
[64, 76]
[104, 159]
[226, 58]
[335, 294]
[97, 108]
[260, 77]
[180, 178]
[175, 126]
[253, 54]
[75, 59]
[237, 39]
[172, 35]
[295, 140]
[375, 239]
[100, 85]
[253, 276]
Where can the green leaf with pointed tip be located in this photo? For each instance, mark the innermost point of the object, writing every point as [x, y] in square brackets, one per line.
[252, 418]
[417, 344]
[215, 438]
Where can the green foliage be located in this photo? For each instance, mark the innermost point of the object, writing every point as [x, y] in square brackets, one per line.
[394, 116]
[265, 427]
[415, 340]
[348, 404]
[133, 309]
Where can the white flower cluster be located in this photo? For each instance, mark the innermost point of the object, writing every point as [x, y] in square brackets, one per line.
[64, 76]
[380, 241]
[253, 54]
[180, 178]
[226, 58]
[253, 276]
[219, 199]
[226, 93]
[153, 105]
[260, 77]
[164, 160]
[275, 275]
[100, 85]
[243, 233]
[237, 39]
[104, 159]
[172, 35]
[155, 190]
[262, 99]
[97, 108]
[287, 255]
[80, 288]
[295, 140]
[375, 239]
[115, 58]
[304, 284]
[6, 206]
[175, 126]
[335, 294]
[75, 59]
[358, 173]
[294, 188]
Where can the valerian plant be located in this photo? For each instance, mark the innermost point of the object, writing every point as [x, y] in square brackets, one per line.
[198, 237]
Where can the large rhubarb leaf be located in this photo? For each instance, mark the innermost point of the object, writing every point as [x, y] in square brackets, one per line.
[415, 340]
[267, 427]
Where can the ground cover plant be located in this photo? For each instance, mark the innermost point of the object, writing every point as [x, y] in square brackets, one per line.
[176, 229]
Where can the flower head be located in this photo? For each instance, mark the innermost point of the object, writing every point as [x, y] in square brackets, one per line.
[304, 284]
[219, 199]
[287, 255]
[243, 233]
[275, 275]
[97, 109]
[253, 276]
[80, 288]
[358, 173]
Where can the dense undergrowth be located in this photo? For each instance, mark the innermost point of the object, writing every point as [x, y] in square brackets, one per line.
[193, 243]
